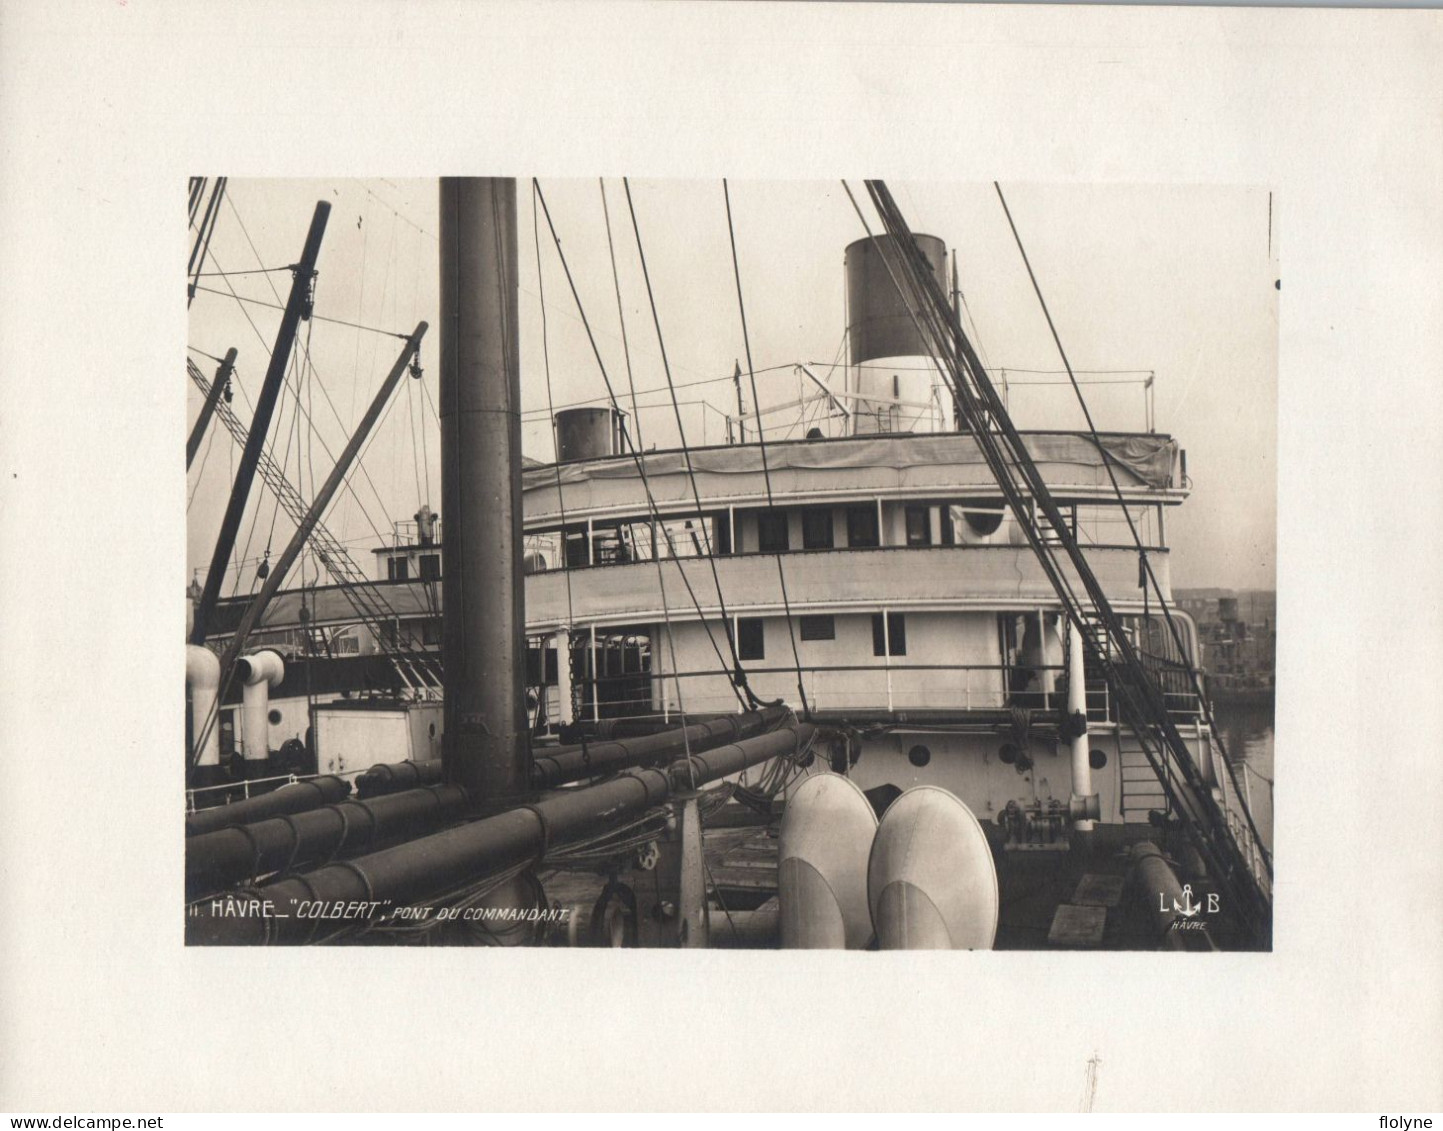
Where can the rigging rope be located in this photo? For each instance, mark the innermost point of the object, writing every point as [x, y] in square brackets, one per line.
[1144, 707]
[634, 451]
[740, 678]
[569, 708]
[762, 444]
[310, 423]
[324, 393]
[1145, 564]
[621, 317]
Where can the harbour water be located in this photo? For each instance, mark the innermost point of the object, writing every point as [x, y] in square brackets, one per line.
[1247, 732]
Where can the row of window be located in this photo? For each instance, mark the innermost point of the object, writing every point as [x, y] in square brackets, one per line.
[399, 568]
[774, 529]
[889, 638]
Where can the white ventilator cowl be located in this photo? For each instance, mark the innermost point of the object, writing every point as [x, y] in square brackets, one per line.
[931, 880]
[826, 836]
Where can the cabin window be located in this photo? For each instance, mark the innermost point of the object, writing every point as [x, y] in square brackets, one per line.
[862, 526]
[817, 529]
[818, 628]
[577, 552]
[772, 532]
[751, 642]
[721, 534]
[895, 634]
[430, 567]
[919, 526]
[398, 569]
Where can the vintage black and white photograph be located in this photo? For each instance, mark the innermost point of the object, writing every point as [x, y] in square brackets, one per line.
[603, 562]
[790, 555]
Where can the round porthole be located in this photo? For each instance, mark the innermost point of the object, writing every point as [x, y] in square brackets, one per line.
[919, 755]
[433, 730]
[808, 759]
[1008, 754]
[275, 717]
[1097, 759]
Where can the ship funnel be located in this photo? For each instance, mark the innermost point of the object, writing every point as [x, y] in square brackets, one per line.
[931, 881]
[826, 834]
[588, 433]
[202, 676]
[879, 323]
[260, 671]
[893, 381]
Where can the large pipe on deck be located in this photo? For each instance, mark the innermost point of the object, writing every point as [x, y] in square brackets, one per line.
[202, 676]
[422, 868]
[392, 777]
[260, 671]
[228, 856]
[294, 798]
[573, 763]
[485, 749]
[1165, 899]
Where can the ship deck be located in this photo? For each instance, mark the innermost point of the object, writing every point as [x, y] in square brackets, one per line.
[1049, 900]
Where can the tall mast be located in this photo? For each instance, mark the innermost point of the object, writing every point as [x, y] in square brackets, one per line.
[485, 745]
[296, 305]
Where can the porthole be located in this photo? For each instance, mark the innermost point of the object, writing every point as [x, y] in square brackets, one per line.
[433, 730]
[919, 755]
[1008, 754]
[275, 717]
[1097, 759]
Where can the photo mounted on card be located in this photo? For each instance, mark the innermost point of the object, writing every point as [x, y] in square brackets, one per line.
[850, 564]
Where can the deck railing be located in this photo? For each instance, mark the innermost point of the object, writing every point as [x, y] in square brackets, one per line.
[836, 687]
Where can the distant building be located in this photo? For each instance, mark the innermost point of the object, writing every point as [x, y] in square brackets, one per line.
[1238, 632]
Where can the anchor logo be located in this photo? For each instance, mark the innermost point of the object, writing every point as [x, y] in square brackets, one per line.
[1187, 909]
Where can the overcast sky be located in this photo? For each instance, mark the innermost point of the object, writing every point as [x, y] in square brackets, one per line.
[1178, 281]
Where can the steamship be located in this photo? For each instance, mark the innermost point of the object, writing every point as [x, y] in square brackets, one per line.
[978, 671]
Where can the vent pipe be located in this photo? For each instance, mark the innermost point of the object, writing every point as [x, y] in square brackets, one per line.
[202, 676]
[260, 671]
[485, 749]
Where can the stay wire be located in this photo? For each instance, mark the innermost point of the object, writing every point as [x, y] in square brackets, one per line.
[762, 445]
[1208, 821]
[324, 393]
[310, 423]
[740, 678]
[983, 437]
[309, 420]
[621, 317]
[551, 410]
[632, 449]
[1127, 515]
